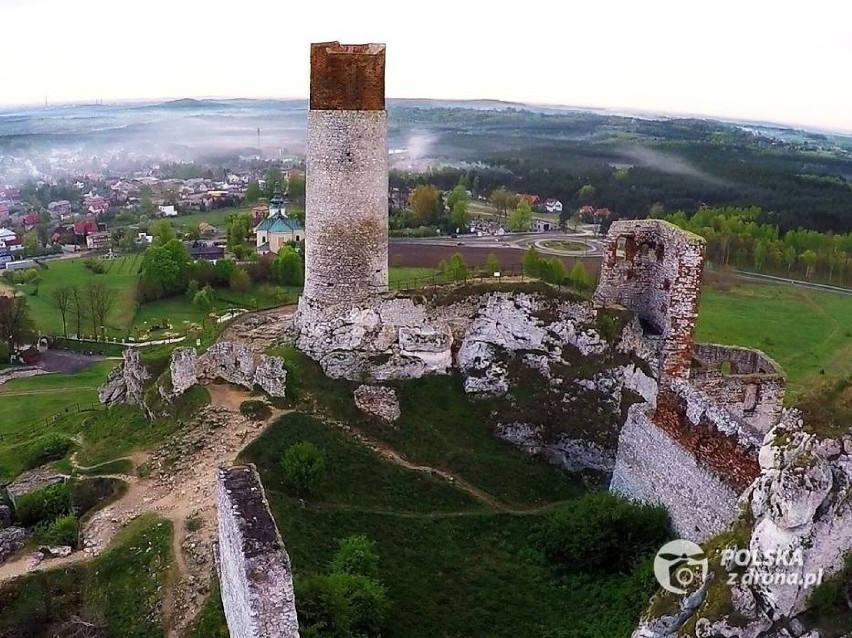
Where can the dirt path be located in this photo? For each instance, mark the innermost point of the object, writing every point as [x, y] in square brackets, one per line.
[181, 485]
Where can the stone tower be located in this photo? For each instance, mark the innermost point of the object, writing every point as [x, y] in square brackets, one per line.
[346, 216]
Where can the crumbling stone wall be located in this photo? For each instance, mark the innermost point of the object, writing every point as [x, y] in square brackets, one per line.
[653, 466]
[346, 213]
[654, 268]
[255, 577]
[744, 382]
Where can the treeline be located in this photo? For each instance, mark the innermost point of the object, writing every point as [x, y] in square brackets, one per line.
[735, 237]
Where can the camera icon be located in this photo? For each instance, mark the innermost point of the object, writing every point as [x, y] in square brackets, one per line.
[680, 565]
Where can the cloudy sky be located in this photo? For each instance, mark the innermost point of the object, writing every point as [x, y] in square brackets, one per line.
[759, 59]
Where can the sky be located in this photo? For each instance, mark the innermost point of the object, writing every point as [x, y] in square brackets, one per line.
[774, 61]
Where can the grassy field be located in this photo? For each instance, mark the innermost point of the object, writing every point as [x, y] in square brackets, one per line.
[450, 563]
[218, 216]
[121, 276]
[25, 402]
[806, 331]
[120, 590]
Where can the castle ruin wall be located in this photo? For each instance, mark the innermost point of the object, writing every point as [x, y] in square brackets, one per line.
[255, 577]
[653, 467]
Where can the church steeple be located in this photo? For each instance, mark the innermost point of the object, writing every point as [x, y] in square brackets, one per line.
[276, 204]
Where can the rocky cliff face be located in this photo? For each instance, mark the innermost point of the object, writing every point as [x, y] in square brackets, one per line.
[799, 507]
[126, 382]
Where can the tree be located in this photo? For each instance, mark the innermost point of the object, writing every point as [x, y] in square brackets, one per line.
[287, 267]
[356, 555]
[810, 258]
[240, 280]
[164, 270]
[503, 200]
[492, 265]
[146, 205]
[30, 241]
[192, 289]
[100, 300]
[578, 276]
[274, 181]
[239, 231]
[253, 192]
[162, 232]
[77, 304]
[553, 271]
[62, 297]
[532, 262]
[455, 268]
[302, 467]
[296, 187]
[586, 193]
[520, 221]
[16, 326]
[203, 300]
[425, 203]
[457, 195]
[459, 218]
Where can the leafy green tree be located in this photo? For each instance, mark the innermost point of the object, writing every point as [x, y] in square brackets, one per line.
[30, 241]
[323, 608]
[586, 193]
[146, 204]
[532, 262]
[162, 231]
[810, 259]
[203, 300]
[459, 217]
[455, 268]
[274, 181]
[503, 200]
[367, 601]
[356, 555]
[164, 269]
[457, 195]
[253, 192]
[192, 289]
[601, 533]
[302, 468]
[223, 270]
[579, 277]
[520, 221]
[492, 265]
[296, 187]
[553, 271]
[287, 267]
[240, 280]
[239, 230]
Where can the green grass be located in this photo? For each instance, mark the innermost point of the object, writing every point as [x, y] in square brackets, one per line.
[399, 274]
[28, 402]
[442, 428]
[119, 590]
[572, 246]
[805, 331]
[452, 567]
[121, 277]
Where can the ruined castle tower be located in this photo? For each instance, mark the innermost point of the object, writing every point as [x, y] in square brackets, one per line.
[346, 216]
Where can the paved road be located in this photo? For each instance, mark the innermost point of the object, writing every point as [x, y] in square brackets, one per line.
[519, 241]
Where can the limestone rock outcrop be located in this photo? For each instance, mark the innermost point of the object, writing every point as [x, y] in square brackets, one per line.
[125, 383]
[379, 401]
[11, 540]
[227, 361]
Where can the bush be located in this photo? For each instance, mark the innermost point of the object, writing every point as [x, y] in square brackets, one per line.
[239, 280]
[356, 555]
[601, 533]
[48, 448]
[322, 607]
[95, 265]
[61, 531]
[44, 505]
[257, 410]
[303, 466]
[367, 601]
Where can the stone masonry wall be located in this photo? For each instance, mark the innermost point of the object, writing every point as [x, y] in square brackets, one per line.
[752, 391]
[255, 577]
[654, 268]
[653, 467]
[346, 214]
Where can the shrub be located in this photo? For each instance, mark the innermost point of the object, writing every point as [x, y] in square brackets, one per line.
[303, 467]
[257, 410]
[95, 265]
[322, 607]
[356, 555]
[579, 277]
[532, 262]
[367, 601]
[194, 522]
[601, 533]
[61, 531]
[48, 448]
[44, 505]
[239, 280]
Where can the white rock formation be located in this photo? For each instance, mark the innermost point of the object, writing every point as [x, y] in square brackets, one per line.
[125, 383]
[379, 401]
